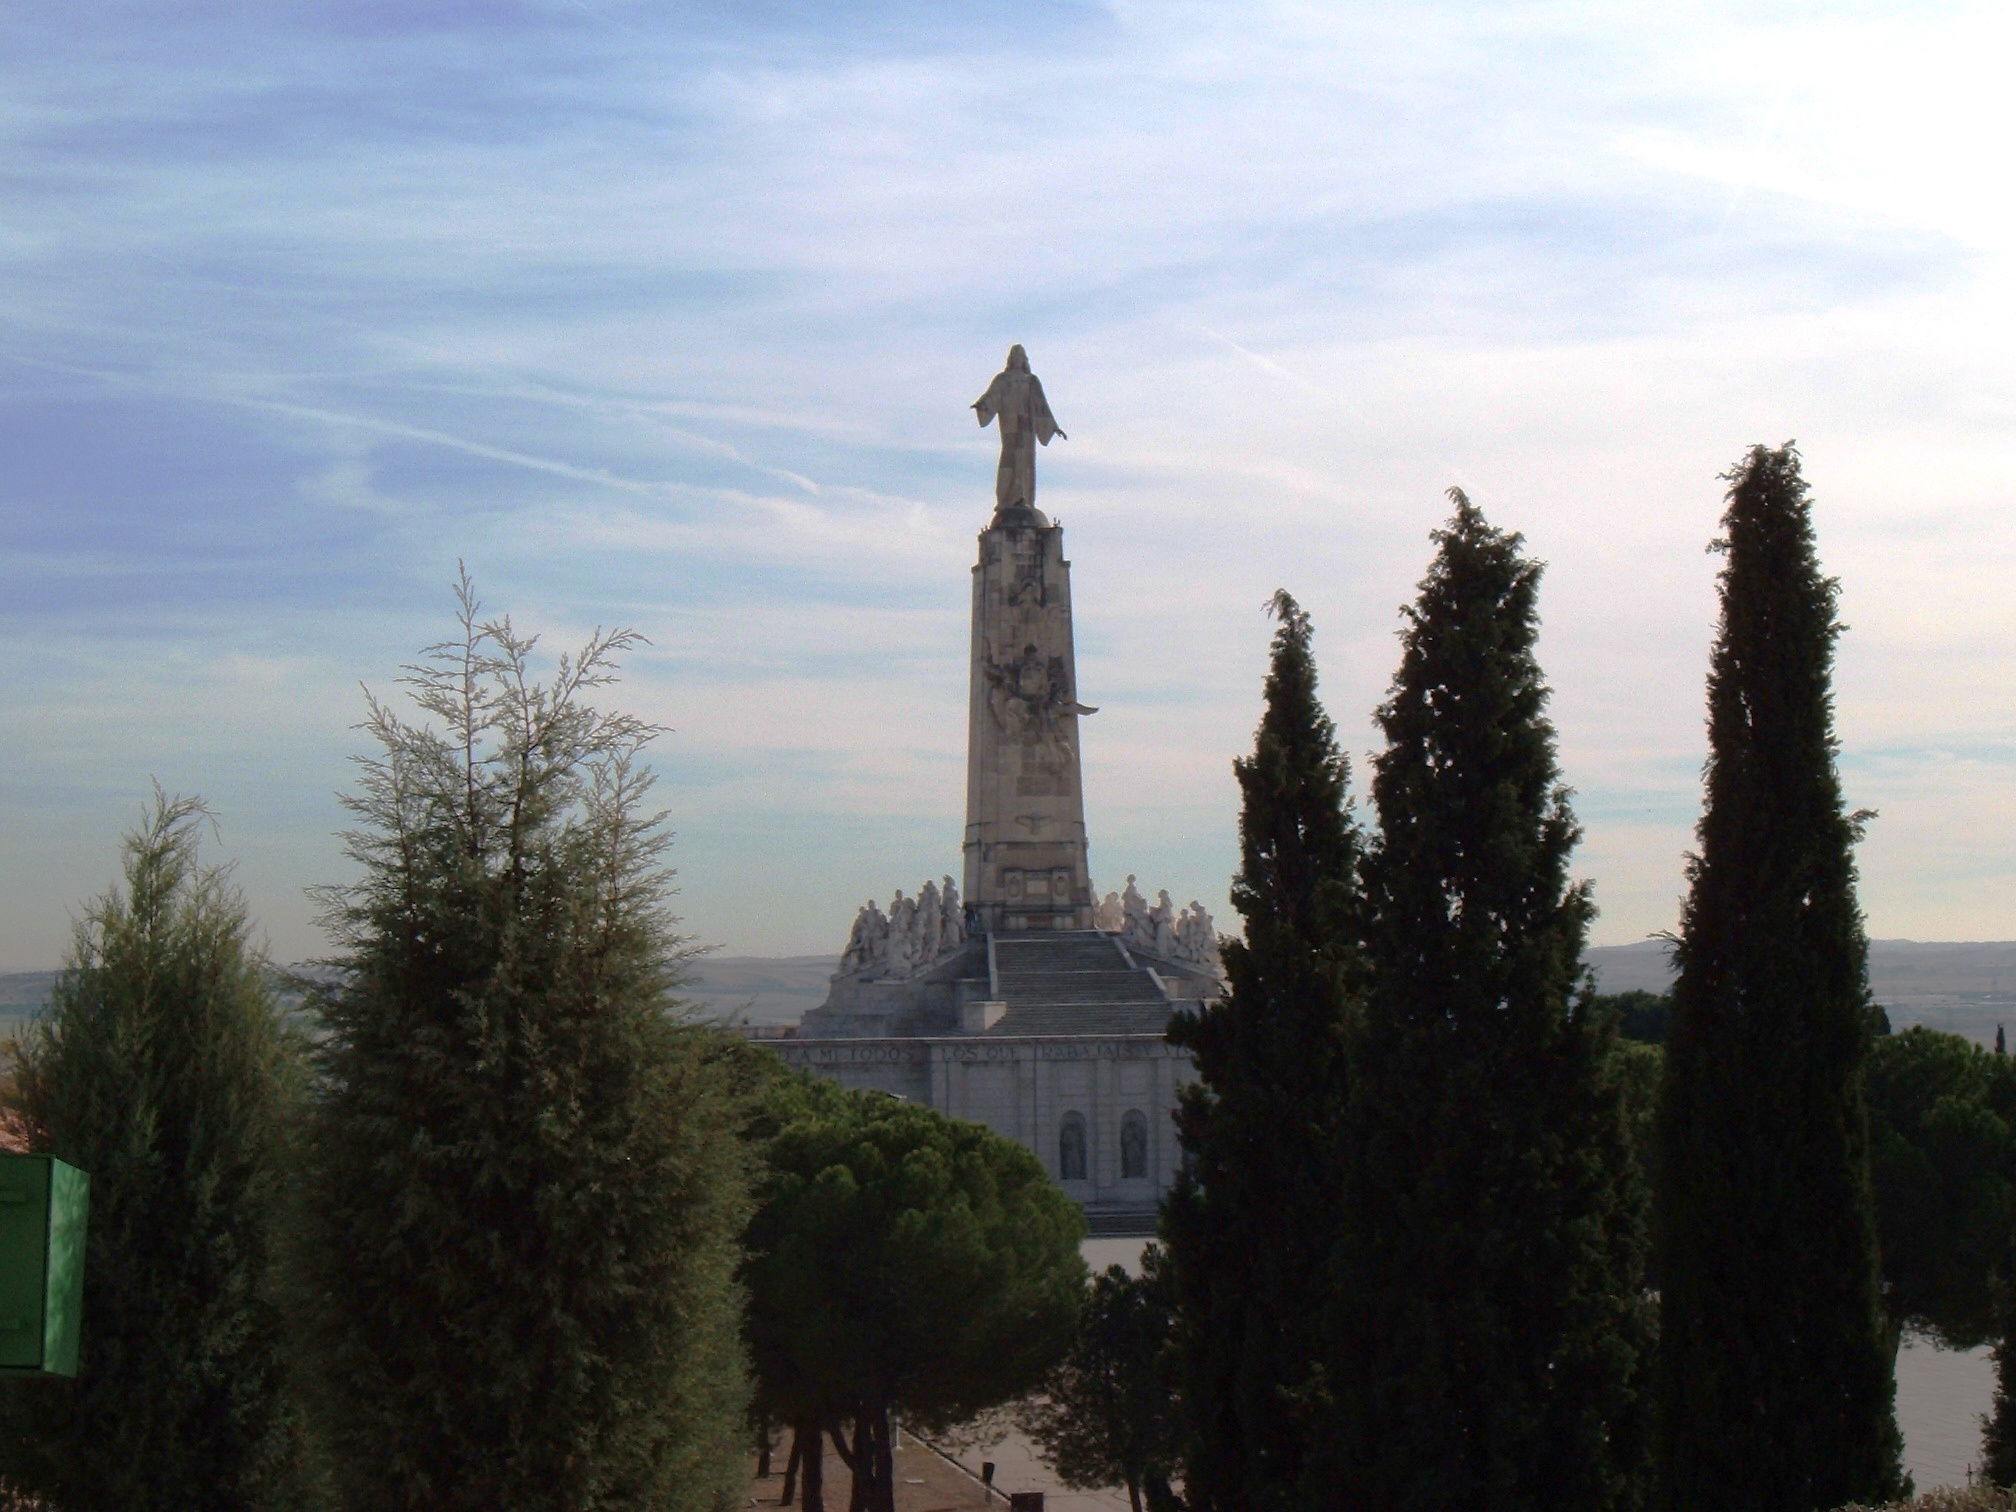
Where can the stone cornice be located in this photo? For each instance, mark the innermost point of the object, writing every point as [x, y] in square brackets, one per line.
[972, 1048]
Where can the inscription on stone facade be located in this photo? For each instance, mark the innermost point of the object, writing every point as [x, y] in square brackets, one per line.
[854, 1053]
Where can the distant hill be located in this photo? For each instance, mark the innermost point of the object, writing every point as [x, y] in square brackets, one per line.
[1961, 987]
[759, 989]
[754, 989]
[1964, 988]
[22, 996]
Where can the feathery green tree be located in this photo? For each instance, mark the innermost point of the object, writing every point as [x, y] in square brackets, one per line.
[1776, 1387]
[1487, 1324]
[162, 1068]
[1250, 1225]
[525, 1188]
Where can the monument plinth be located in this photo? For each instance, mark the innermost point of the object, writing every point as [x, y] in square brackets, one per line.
[1025, 805]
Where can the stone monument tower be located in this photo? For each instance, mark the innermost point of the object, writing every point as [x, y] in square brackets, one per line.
[1025, 804]
[1023, 1006]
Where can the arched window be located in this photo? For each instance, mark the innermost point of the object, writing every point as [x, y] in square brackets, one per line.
[1071, 1149]
[1134, 1146]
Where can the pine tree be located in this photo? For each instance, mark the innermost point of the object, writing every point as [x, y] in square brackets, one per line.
[1775, 1383]
[161, 1069]
[526, 1189]
[1103, 1416]
[1486, 1337]
[1250, 1225]
[901, 1263]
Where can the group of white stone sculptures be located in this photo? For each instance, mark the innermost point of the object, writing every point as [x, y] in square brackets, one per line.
[913, 936]
[917, 933]
[1189, 937]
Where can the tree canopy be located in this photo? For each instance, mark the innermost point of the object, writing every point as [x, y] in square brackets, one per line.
[902, 1261]
[1942, 1116]
[1641, 1016]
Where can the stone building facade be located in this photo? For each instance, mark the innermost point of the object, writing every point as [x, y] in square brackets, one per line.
[1094, 1108]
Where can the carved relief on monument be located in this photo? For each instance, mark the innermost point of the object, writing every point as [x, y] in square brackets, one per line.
[1028, 590]
[912, 937]
[1043, 887]
[1028, 697]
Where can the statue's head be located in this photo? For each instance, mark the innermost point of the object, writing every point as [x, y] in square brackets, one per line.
[1018, 360]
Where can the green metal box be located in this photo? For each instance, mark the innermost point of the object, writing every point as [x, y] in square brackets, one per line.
[43, 1207]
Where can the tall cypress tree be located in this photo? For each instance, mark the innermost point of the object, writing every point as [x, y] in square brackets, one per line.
[1776, 1389]
[1251, 1223]
[161, 1068]
[526, 1189]
[1487, 1329]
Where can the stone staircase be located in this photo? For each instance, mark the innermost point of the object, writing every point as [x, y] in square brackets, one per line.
[1073, 982]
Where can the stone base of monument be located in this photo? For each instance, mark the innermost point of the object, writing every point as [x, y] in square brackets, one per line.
[1055, 1038]
[1016, 983]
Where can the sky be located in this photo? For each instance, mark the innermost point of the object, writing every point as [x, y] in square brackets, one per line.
[668, 317]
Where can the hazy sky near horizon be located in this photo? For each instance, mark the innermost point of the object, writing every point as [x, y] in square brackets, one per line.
[669, 317]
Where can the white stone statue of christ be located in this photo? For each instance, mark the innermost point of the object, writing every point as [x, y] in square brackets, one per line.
[1016, 395]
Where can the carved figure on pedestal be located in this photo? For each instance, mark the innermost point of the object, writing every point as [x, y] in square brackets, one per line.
[902, 936]
[1162, 920]
[1016, 398]
[930, 923]
[878, 935]
[1136, 932]
[1109, 915]
[1197, 939]
[855, 957]
[952, 930]
[867, 942]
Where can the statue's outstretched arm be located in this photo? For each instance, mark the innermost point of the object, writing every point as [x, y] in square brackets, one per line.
[1046, 425]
